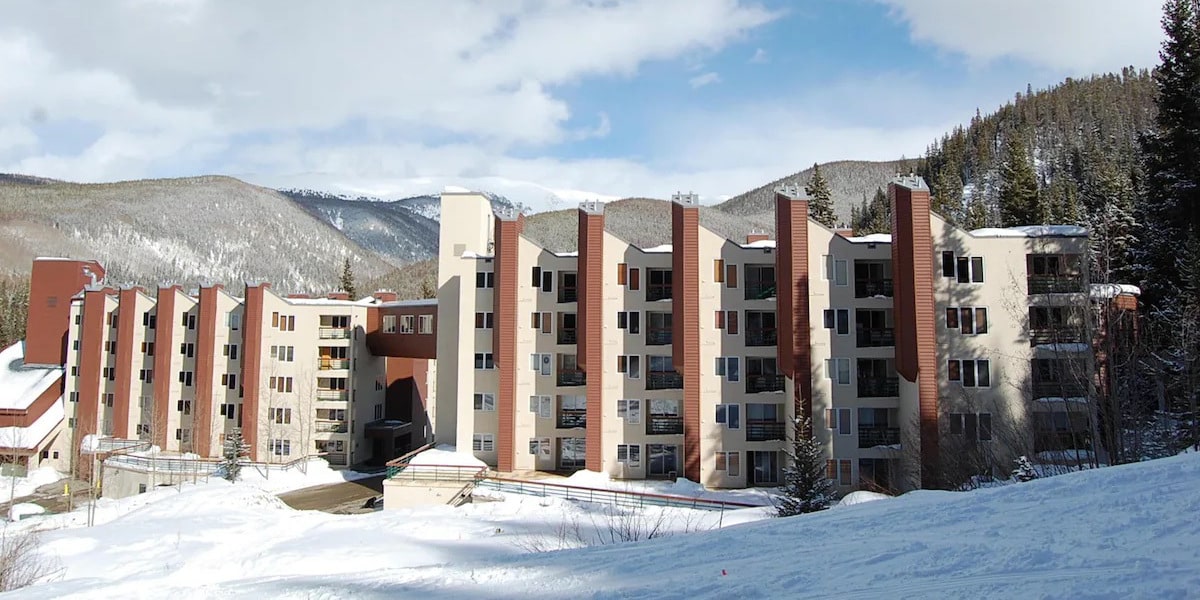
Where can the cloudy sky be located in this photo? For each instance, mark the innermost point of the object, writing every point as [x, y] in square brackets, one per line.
[544, 100]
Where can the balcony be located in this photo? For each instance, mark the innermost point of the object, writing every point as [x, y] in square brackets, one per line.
[334, 364]
[664, 425]
[762, 337]
[1055, 284]
[1056, 335]
[568, 294]
[658, 291]
[568, 336]
[572, 419]
[657, 380]
[872, 436]
[764, 431]
[758, 384]
[658, 337]
[333, 395]
[334, 333]
[572, 378]
[876, 338]
[1059, 389]
[760, 290]
[331, 426]
[870, 288]
[878, 387]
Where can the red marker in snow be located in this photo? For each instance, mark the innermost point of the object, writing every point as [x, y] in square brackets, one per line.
[722, 572]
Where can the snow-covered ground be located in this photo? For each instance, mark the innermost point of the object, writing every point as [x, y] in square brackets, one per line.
[1121, 532]
[16, 487]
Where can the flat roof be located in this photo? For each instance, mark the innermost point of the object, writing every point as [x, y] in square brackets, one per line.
[21, 384]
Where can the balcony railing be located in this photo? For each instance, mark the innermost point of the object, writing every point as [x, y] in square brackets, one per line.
[871, 436]
[329, 364]
[763, 431]
[335, 458]
[334, 333]
[656, 291]
[1055, 335]
[1055, 284]
[878, 387]
[869, 288]
[1059, 389]
[332, 394]
[568, 294]
[332, 427]
[572, 378]
[876, 338]
[568, 336]
[657, 380]
[762, 337]
[1044, 440]
[658, 337]
[760, 290]
[572, 419]
[664, 425]
[757, 384]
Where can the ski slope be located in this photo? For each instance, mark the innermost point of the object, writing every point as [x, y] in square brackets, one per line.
[1123, 532]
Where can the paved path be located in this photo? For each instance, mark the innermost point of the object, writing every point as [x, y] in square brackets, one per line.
[342, 498]
[50, 497]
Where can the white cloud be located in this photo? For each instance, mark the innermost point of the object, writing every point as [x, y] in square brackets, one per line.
[760, 57]
[1070, 36]
[704, 79]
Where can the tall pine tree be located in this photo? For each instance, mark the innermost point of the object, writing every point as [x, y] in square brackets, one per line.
[806, 484]
[1019, 203]
[820, 199]
[348, 280]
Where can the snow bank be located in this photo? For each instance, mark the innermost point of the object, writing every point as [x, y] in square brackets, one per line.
[445, 455]
[17, 487]
[24, 509]
[1105, 291]
[680, 487]
[1031, 231]
[20, 384]
[861, 497]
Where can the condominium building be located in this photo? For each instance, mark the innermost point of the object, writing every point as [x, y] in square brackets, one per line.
[917, 355]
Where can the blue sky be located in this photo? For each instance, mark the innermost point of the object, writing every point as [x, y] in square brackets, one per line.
[548, 101]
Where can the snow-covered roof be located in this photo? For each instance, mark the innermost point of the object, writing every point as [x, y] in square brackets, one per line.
[873, 238]
[62, 258]
[454, 189]
[759, 244]
[571, 254]
[660, 249]
[447, 456]
[1031, 231]
[472, 254]
[20, 384]
[28, 437]
[402, 303]
[368, 301]
[1101, 291]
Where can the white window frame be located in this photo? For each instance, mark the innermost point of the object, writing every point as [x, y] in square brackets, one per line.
[541, 447]
[482, 359]
[406, 324]
[485, 401]
[487, 317]
[630, 410]
[483, 442]
[389, 323]
[837, 319]
[542, 406]
[723, 413]
[724, 463]
[630, 455]
[425, 324]
[840, 420]
[542, 363]
[724, 370]
[833, 373]
[962, 366]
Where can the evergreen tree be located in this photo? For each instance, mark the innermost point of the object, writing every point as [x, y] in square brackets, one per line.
[234, 450]
[806, 486]
[1019, 203]
[348, 280]
[947, 192]
[1024, 471]
[874, 216]
[977, 214]
[820, 199]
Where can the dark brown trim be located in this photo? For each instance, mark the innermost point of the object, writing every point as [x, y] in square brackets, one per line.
[164, 338]
[504, 336]
[794, 350]
[91, 357]
[591, 326]
[206, 350]
[916, 329]
[685, 308]
[252, 332]
[26, 417]
[127, 316]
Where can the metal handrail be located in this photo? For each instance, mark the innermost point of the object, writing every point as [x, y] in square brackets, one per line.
[598, 495]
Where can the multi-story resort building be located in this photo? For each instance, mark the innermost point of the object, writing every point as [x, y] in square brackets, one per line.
[918, 356]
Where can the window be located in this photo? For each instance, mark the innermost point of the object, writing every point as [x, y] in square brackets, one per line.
[630, 365]
[187, 349]
[185, 377]
[74, 370]
[425, 324]
[483, 442]
[839, 471]
[109, 373]
[629, 454]
[540, 363]
[485, 320]
[231, 350]
[108, 400]
[485, 402]
[969, 269]
[283, 353]
[149, 321]
[968, 320]
[280, 416]
[281, 447]
[635, 279]
[183, 435]
[730, 462]
[484, 360]
[406, 323]
[184, 406]
[284, 384]
[189, 321]
[973, 426]
[542, 406]
[73, 397]
[622, 273]
[228, 410]
[729, 368]
[229, 380]
[146, 375]
[731, 279]
[547, 281]
[970, 373]
[718, 270]
[485, 279]
[659, 284]
[148, 348]
[948, 269]
[731, 322]
[838, 369]
[836, 271]
[630, 410]
[729, 415]
[389, 323]
[838, 419]
[630, 321]
[540, 447]
[839, 319]
[543, 322]
[233, 321]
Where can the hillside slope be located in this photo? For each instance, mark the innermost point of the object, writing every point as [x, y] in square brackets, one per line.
[186, 230]
[389, 229]
[850, 181]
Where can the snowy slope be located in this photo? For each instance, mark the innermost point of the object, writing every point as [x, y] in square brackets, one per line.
[1122, 532]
